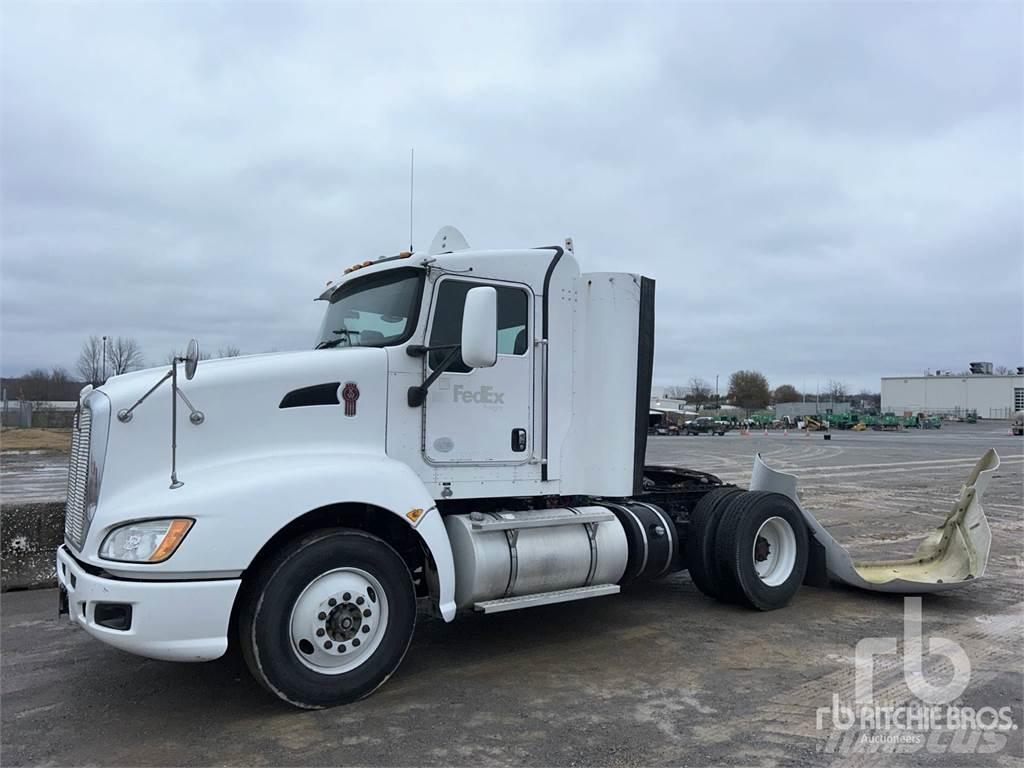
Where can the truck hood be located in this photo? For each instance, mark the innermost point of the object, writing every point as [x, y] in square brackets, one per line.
[315, 401]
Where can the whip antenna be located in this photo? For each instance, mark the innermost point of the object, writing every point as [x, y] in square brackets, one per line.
[412, 168]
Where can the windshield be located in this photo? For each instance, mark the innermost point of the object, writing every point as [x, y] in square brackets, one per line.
[374, 311]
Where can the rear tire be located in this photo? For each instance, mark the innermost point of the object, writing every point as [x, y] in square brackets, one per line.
[700, 539]
[761, 550]
[328, 618]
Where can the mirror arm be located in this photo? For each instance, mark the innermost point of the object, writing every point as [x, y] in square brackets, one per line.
[125, 414]
[419, 350]
[416, 395]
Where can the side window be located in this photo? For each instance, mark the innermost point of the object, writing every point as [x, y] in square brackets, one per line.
[513, 327]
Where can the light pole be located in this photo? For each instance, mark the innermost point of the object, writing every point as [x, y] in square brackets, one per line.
[717, 403]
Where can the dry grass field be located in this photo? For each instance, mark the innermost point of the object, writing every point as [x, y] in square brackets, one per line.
[34, 439]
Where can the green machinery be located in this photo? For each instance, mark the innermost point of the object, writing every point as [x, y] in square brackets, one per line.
[841, 420]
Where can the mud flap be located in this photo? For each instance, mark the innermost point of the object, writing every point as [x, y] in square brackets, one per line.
[955, 552]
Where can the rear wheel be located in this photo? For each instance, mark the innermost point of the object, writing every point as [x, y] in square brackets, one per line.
[760, 550]
[700, 539]
[328, 619]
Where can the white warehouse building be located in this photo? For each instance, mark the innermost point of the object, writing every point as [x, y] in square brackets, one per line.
[991, 396]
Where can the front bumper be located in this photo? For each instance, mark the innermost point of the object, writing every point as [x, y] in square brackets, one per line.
[171, 620]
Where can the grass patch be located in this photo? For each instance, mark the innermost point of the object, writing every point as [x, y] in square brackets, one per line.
[35, 439]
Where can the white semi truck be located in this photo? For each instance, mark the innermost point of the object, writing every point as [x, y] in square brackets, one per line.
[469, 433]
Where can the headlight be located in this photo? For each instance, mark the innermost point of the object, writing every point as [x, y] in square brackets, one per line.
[146, 541]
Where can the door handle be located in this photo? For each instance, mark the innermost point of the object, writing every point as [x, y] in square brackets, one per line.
[519, 440]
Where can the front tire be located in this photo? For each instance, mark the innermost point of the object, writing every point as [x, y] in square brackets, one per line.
[328, 618]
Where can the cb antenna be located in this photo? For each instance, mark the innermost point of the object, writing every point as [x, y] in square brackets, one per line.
[412, 169]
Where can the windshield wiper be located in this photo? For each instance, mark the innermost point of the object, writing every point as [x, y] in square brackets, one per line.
[346, 338]
[347, 333]
[328, 343]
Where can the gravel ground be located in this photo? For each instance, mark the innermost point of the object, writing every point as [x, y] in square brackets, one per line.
[658, 675]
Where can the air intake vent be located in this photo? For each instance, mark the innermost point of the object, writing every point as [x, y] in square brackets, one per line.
[78, 476]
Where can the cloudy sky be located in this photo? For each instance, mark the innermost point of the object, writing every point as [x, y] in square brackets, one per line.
[821, 191]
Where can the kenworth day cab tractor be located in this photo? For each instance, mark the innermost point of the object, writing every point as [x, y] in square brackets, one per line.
[469, 432]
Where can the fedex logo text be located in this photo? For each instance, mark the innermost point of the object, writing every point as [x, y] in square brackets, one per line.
[485, 395]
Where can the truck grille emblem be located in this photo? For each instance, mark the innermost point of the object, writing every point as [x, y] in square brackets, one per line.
[350, 394]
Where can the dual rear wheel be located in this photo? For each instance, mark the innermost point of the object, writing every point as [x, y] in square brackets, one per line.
[747, 547]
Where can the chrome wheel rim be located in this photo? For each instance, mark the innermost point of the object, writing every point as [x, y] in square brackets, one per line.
[774, 551]
[338, 621]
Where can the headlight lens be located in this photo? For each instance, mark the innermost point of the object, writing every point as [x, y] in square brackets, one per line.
[146, 541]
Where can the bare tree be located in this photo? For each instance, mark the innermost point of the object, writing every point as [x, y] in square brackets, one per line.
[124, 354]
[90, 361]
[1003, 370]
[39, 386]
[229, 351]
[34, 385]
[869, 399]
[60, 376]
[675, 393]
[700, 391]
[169, 358]
[836, 391]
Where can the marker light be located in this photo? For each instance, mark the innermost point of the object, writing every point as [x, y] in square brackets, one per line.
[145, 541]
[414, 514]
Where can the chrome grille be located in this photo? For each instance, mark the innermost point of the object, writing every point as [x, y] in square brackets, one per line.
[78, 476]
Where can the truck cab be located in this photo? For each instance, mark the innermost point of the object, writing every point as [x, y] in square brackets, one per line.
[388, 417]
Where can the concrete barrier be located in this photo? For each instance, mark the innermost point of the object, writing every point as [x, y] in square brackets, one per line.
[29, 536]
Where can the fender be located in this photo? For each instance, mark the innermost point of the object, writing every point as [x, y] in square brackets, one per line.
[239, 506]
[955, 552]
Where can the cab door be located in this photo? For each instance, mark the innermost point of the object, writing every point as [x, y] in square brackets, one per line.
[480, 416]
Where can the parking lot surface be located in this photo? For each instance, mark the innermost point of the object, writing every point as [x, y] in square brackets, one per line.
[32, 476]
[658, 675]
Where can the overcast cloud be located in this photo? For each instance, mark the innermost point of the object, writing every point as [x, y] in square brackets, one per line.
[820, 191]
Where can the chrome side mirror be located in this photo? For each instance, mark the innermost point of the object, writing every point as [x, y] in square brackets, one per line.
[480, 328]
[191, 359]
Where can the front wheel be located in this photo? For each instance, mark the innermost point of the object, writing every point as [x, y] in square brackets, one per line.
[328, 619]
